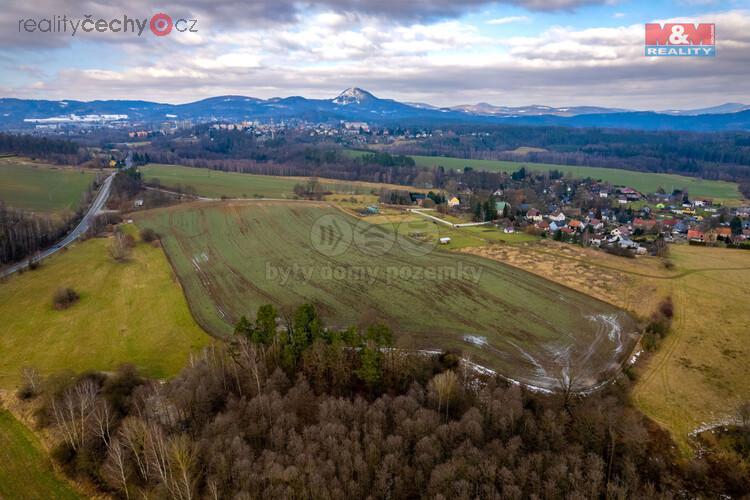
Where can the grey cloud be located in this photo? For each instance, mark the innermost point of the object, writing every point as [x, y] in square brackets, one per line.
[220, 14]
[639, 84]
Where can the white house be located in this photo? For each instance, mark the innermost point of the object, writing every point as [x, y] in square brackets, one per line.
[534, 215]
[557, 217]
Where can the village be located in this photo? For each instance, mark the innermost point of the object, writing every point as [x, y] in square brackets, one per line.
[618, 219]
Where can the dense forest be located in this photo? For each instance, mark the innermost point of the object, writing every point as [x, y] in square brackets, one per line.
[58, 151]
[722, 156]
[290, 409]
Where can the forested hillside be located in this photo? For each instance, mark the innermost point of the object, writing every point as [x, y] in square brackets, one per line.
[306, 412]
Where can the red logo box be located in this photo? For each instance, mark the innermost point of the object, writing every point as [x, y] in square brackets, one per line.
[680, 34]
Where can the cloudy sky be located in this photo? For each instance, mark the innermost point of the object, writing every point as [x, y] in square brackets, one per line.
[512, 52]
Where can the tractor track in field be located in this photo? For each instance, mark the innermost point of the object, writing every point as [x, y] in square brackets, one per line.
[660, 370]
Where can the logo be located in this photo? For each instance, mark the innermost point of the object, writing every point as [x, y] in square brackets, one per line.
[681, 39]
[418, 237]
[373, 240]
[331, 235]
[160, 24]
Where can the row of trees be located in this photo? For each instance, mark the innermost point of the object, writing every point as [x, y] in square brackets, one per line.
[290, 408]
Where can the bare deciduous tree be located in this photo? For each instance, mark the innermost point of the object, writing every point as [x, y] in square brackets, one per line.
[182, 456]
[73, 411]
[31, 382]
[102, 420]
[133, 436]
[120, 247]
[569, 384]
[445, 388]
[115, 467]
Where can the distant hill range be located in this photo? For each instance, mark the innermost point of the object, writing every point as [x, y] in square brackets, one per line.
[356, 104]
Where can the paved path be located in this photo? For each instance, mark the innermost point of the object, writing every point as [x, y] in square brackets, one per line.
[447, 223]
[76, 233]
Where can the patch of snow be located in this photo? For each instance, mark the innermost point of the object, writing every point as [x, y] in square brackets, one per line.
[611, 325]
[476, 340]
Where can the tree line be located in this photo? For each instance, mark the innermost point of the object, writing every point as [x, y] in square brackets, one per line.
[23, 233]
[717, 156]
[58, 151]
[291, 409]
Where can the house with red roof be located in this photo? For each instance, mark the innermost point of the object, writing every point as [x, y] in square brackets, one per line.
[695, 235]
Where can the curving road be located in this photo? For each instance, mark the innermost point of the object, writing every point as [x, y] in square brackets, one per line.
[76, 233]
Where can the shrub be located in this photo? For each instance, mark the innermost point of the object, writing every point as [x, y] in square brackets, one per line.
[629, 372]
[64, 298]
[121, 246]
[25, 392]
[148, 235]
[31, 383]
[63, 454]
[667, 308]
[659, 325]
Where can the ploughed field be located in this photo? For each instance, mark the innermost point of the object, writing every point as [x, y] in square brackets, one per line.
[232, 257]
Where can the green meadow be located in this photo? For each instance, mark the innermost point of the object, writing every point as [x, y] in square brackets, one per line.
[44, 188]
[25, 469]
[218, 184]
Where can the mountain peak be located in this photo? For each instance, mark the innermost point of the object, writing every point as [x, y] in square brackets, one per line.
[353, 95]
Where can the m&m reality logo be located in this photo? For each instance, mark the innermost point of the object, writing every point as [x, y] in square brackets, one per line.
[681, 39]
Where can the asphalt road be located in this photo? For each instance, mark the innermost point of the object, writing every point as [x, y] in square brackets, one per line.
[76, 233]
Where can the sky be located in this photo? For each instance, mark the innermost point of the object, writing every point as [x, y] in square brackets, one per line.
[441, 52]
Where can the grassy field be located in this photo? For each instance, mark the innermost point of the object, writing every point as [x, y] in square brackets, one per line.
[406, 223]
[233, 257]
[215, 183]
[44, 188]
[642, 181]
[25, 469]
[699, 374]
[133, 312]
